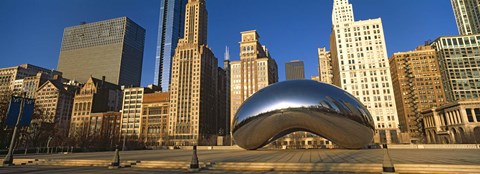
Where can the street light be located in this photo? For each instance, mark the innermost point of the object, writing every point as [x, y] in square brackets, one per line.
[8, 161]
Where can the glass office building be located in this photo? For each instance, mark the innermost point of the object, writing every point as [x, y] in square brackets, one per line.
[170, 29]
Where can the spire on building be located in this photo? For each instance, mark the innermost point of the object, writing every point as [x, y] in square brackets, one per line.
[227, 53]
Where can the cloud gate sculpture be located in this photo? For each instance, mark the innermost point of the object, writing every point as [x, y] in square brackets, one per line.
[302, 105]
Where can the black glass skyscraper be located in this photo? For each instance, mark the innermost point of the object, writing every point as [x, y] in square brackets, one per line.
[170, 29]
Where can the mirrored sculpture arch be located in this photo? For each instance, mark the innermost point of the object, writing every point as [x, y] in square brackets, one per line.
[302, 105]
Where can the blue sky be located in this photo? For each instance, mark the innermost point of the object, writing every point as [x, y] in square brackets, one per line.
[31, 30]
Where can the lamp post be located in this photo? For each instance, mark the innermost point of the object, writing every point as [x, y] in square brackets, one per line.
[48, 144]
[8, 161]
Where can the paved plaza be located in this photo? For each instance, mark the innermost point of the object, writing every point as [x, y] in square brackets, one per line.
[399, 156]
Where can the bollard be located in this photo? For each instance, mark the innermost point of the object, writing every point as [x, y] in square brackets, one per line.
[194, 163]
[387, 162]
[116, 159]
[25, 153]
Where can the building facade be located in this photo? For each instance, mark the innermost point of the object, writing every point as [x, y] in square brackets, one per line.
[459, 62]
[325, 69]
[417, 85]
[170, 29]
[467, 16]
[111, 48]
[55, 100]
[360, 66]
[132, 112]
[11, 78]
[294, 70]
[193, 87]
[453, 123]
[96, 96]
[254, 71]
[154, 127]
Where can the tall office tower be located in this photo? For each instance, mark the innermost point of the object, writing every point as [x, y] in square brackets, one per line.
[96, 96]
[11, 78]
[325, 69]
[111, 48]
[294, 70]
[417, 85]
[226, 67]
[254, 71]
[193, 86]
[154, 130]
[170, 29]
[131, 111]
[359, 58]
[467, 15]
[459, 63]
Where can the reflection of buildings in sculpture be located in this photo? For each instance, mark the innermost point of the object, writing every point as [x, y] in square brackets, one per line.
[360, 66]
[325, 69]
[417, 85]
[95, 96]
[254, 71]
[301, 140]
[302, 105]
[455, 122]
[154, 130]
[193, 87]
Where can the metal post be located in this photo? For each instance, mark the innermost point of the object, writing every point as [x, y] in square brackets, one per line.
[387, 162]
[194, 163]
[48, 144]
[123, 146]
[8, 161]
[116, 159]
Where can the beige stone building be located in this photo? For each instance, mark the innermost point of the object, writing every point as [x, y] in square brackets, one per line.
[417, 85]
[456, 122]
[325, 69]
[132, 111]
[55, 100]
[193, 87]
[12, 77]
[105, 128]
[154, 127]
[96, 96]
[360, 67]
[254, 71]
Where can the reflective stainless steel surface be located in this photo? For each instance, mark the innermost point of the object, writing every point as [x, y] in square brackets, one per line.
[302, 105]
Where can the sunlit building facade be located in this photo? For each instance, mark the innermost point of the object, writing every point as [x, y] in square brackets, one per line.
[360, 66]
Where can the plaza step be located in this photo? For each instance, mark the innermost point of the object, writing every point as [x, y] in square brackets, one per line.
[260, 166]
[298, 167]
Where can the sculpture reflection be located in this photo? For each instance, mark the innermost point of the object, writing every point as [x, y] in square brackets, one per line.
[302, 105]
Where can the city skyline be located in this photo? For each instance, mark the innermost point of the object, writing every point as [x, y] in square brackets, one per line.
[401, 33]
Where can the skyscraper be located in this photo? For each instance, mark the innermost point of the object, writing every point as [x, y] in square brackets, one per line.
[193, 87]
[325, 70]
[170, 29]
[417, 88]
[112, 48]
[467, 15]
[294, 70]
[459, 62]
[360, 62]
[254, 71]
